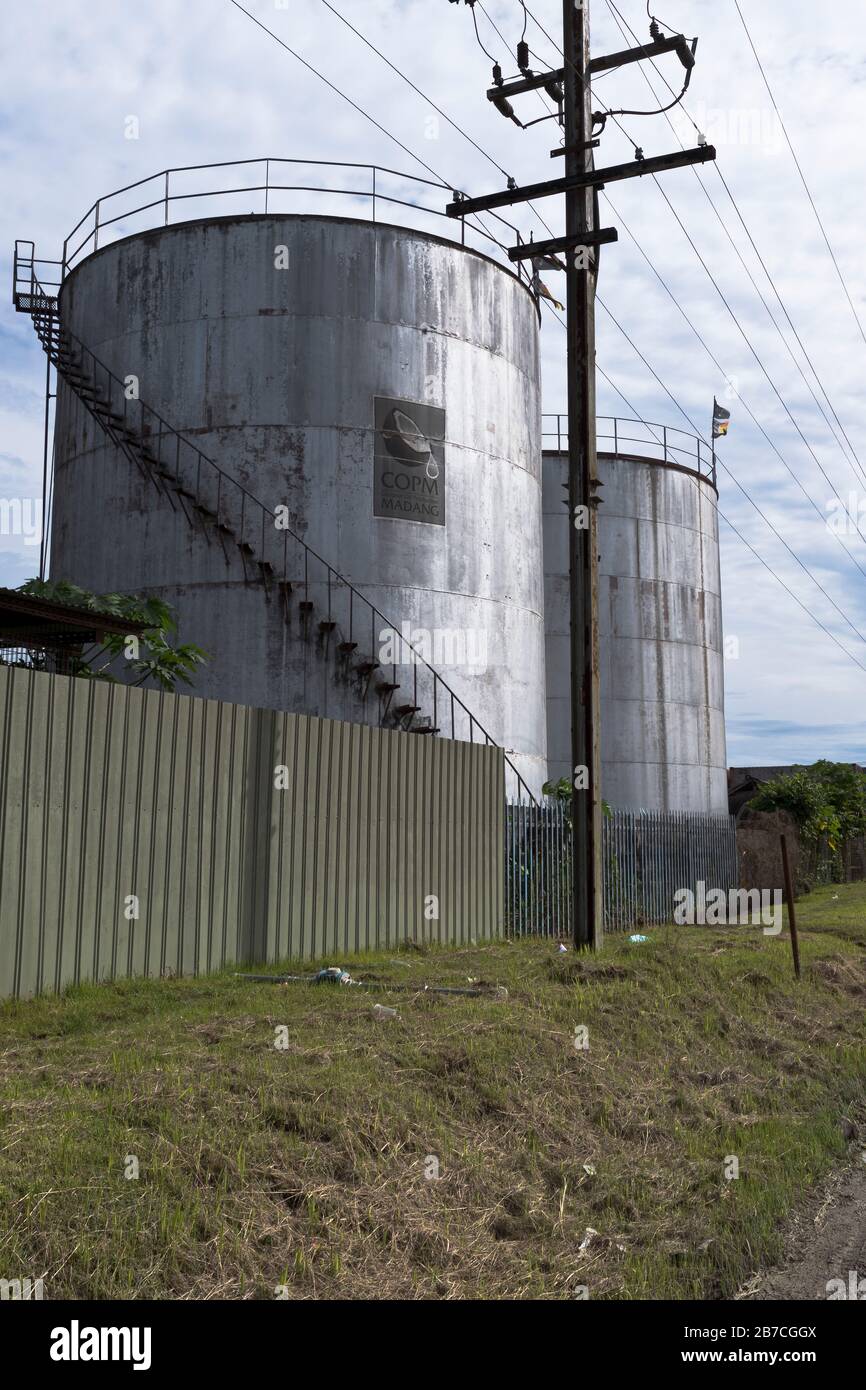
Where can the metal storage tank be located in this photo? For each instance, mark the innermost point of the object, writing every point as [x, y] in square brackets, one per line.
[295, 351]
[660, 619]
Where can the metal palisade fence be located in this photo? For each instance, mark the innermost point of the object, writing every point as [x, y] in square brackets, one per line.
[648, 856]
[538, 869]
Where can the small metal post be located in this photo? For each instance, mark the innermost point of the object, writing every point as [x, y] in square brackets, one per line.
[166, 197]
[374, 193]
[267, 182]
[96, 227]
[792, 916]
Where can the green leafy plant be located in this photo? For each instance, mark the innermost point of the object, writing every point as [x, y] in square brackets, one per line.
[827, 801]
[158, 659]
[561, 790]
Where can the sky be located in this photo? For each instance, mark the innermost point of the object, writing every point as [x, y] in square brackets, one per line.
[122, 91]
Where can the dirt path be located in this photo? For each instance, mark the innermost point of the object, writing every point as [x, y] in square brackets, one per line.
[826, 1241]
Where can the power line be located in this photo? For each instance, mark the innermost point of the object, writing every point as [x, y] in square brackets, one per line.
[758, 359]
[753, 351]
[806, 494]
[726, 469]
[736, 531]
[340, 93]
[760, 363]
[443, 114]
[743, 402]
[624, 26]
[428, 99]
[761, 513]
[478, 36]
[800, 171]
[443, 183]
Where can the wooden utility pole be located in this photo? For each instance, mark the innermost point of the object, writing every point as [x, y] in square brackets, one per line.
[569, 86]
[587, 916]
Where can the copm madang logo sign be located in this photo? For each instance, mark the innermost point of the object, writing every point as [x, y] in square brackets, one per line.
[409, 462]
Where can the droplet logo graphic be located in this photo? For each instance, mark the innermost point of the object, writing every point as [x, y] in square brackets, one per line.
[406, 442]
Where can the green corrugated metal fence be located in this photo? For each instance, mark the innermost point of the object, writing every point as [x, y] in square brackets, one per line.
[109, 794]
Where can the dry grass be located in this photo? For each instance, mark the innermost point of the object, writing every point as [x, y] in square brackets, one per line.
[307, 1167]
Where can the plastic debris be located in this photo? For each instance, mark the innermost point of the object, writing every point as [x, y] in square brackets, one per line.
[334, 975]
[561, 947]
[381, 1012]
[589, 1168]
[637, 938]
[588, 1238]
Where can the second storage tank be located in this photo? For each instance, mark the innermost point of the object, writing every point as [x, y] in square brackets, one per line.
[660, 625]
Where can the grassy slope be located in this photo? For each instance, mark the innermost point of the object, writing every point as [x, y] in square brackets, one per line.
[305, 1167]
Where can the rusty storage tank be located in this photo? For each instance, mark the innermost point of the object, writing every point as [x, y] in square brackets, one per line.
[660, 618]
[380, 385]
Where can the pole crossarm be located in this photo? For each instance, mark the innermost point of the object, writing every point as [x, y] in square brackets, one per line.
[594, 178]
[677, 44]
[525, 84]
[526, 249]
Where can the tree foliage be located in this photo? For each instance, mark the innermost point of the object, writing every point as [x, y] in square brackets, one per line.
[827, 800]
[158, 658]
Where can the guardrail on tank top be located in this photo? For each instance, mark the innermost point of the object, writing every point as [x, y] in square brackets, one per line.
[645, 439]
[647, 857]
[148, 203]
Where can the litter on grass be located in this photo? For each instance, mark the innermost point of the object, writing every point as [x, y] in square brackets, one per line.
[335, 974]
[380, 1012]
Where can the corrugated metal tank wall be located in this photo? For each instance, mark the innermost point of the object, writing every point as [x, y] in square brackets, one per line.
[660, 632]
[274, 373]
